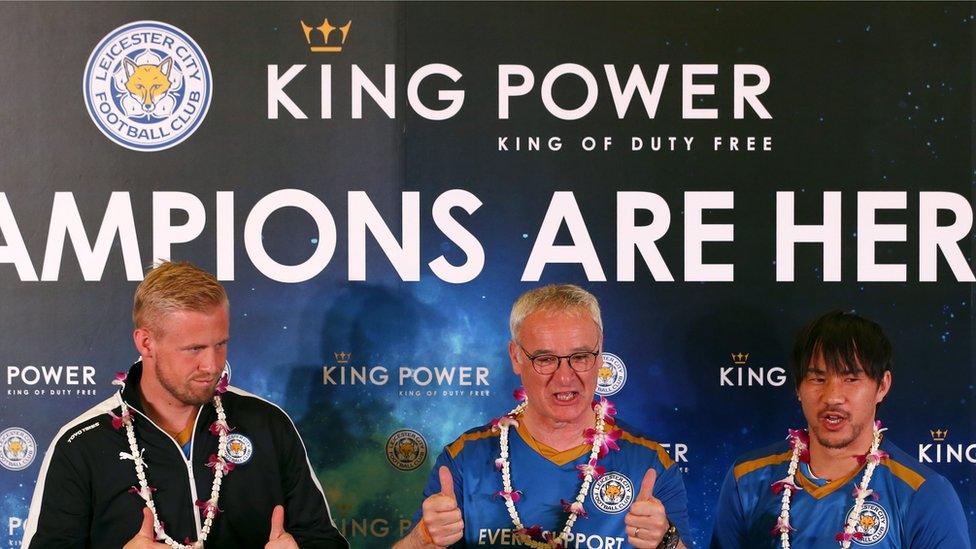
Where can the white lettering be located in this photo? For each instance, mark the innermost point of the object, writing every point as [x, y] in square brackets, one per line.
[630, 236]
[363, 215]
[66, 220]
[788, 234]
[456, 97]
[563, 207]
[254, 227]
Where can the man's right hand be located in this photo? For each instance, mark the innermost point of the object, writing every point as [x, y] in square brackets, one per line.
[441, 515]
[145, 538]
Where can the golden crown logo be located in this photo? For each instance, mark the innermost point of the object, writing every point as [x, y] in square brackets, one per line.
[739, 359]
[939, 435]
[326, 29]
[342, 357]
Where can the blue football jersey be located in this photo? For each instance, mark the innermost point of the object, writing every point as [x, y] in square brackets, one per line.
[916, 507]
[545, 477]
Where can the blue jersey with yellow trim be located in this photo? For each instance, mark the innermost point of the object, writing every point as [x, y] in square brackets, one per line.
[545, 477]
[916, 507]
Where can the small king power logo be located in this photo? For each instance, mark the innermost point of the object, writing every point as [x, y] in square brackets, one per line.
[942, 450]
[147, 86]
[743, 374]
[326, 38]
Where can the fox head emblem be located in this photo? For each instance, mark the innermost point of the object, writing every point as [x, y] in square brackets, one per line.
[408, 449]
[147, 83]
[612, 491]
[15, 446]
[867, 522]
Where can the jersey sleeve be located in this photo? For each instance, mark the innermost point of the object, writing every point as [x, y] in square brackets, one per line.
[670, 490]
[935, 517]
[60, 514]
[433, 486]
[730, 527]
[307, 514]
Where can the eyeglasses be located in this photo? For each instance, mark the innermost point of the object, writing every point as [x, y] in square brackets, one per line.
[548, 363]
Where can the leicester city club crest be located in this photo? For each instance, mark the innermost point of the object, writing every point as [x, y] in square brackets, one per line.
[17, 448]
[872, 523]
[406, 449]
[612, 493]
[612, 375]
[147, 86]
[239, 449]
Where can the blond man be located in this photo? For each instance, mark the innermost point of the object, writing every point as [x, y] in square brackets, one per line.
[177, 457]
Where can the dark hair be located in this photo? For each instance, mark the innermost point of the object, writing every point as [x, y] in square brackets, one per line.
[845, 340]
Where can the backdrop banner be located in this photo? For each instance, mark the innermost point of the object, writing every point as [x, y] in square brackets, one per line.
[375, 184]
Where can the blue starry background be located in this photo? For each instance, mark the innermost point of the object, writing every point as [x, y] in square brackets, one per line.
[864, 97]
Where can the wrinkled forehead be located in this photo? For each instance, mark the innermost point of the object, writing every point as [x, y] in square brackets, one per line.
[558, 319]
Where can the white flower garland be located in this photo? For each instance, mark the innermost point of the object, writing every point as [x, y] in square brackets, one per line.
[601, 440]
[218, 462]
[799, 441]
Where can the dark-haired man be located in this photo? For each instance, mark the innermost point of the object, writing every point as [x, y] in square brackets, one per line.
[839, 481]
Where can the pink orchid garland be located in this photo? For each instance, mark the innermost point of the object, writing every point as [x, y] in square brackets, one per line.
[602, 442]
[799, 442]
[217, 462]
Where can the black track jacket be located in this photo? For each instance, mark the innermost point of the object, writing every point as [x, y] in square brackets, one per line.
[82, 497]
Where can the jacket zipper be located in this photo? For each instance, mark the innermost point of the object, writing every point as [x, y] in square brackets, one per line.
[187, 462]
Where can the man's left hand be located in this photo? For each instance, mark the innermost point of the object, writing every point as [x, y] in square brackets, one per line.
[646, 522]
[279, 539]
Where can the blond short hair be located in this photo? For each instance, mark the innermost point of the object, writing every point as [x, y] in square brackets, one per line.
[554, 298]
[171, 287]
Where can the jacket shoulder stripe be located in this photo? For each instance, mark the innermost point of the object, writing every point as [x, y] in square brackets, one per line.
[908, 476]
[662, 454]
[454, 448]
[747, 467]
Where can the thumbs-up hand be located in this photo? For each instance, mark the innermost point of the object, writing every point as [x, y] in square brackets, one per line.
[441, 516]
[646, 522]
[145, 538]
[279, 539]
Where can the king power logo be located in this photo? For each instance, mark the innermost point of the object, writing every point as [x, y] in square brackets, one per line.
[940, 450]
[48, 380]
[743, 374]
[412, 380]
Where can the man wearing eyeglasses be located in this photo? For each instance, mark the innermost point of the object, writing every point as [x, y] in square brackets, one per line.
[559, 470]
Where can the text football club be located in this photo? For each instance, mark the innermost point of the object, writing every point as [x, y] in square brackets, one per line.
[612, 376]
[17, 448]
[239, 449]
[406, 449]
[872, 523]
[147, 86]
[612, 493]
